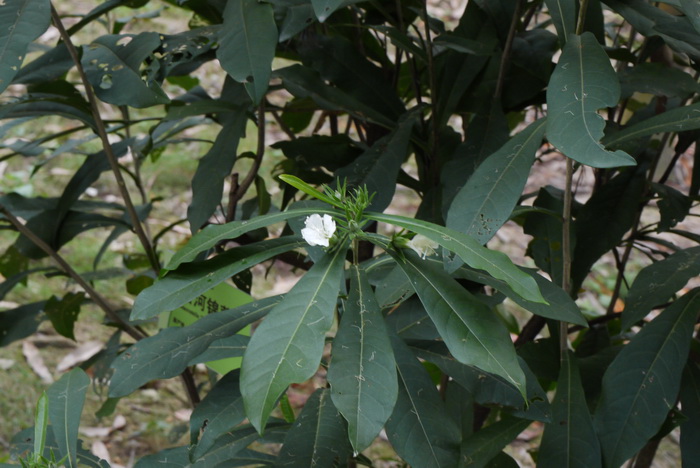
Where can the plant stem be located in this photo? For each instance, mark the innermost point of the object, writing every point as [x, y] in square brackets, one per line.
[94, 295]
[250, 177]
[505, 56]
[102, 133]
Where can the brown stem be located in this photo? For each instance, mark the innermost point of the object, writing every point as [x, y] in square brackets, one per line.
[102, 133]
[645, 457]
[508, 47]
[250, 177]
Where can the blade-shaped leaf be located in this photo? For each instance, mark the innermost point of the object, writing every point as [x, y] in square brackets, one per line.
[583, 82]
[641, 385]
[471, 252]
[167, 354]
[66, 400]
[247, 44]
[485, 203]
[220, 411]
[213, 234]
[64, 312]
[20, 322]
[231, 443]
[570, 439]
[473, 333]
[286, 348]
[563, 13]
[22, 22]
[479, 448]
[419, 429]
[192, 279]
[318, 437]
[362, 374]
[690, 405]
[691, 8]
[324, 8]
[23, 442]
[656, 283]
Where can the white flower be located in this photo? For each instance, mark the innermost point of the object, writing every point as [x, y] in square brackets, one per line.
[422, 245]
[318, 229]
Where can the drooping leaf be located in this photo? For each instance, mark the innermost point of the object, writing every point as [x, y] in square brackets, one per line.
[324, 8]
[485, 203]
[362, 374]
[286, 348]
[690, 406]
[192, 279]
[471, 252]
[66, 400]
[64, 312]
[20, 322]
[582, 83]
[692, 12]
[479, 448]
[23, 21]
[378, 168]
[318, 437]
[419, 429]
[472, 332]
[112, 64]
[656, 283]
[220, 411]
[641, 385]
[166, 354]
[213, 234]
[657, 79]
[247, 44]
[230, 444]
[570, 439]
[563, 13]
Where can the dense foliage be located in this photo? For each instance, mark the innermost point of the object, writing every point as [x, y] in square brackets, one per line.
[409, 326]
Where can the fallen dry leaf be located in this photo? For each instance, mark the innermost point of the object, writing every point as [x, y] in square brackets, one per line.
[80, 354]
[36, 362]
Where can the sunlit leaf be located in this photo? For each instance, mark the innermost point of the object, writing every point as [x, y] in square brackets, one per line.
[582, 83]
[286, 348]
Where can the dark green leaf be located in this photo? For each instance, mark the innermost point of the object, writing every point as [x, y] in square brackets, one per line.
[485, 203]
[658, 282]
[286, 348]
[23, 21]
[64, 312]
[582, 83]
[48, 67]
[419, 429]
[247, 44]
[362, 374]
[20, 322]
[563, 13]
[166, 354]
[641, 385]
[570, 439]
[690, 405]
[220, 411]
[324, 8]
[229, 445]
[66, 400]
[192, 279]
[472, 332]
[656, 79]
[691, 9]
[172, 457]
[230, 347]
[479, 448]
[213, 234]
[318, 437]
[23, 442]
[471, 252]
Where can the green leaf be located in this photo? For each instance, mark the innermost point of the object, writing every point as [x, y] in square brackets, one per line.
[690, 405]
[230, 444]
[192, 279]
[583, 82]
[112, 64]
[23, 21]
[41, 423]
[20, 322]
[563, 13]
[641, 385]
[286, 348]
[478, 449]
[64, 312]
[211, 235]
[486, 201]
[473, 333]
[318, 437]
[570, 439]
[66, 400]
[325, 8]
[23, 442]
[247, 44]
[169, 352]
[220, 411]
[675, 120]
[378, 167]
[657, 79]
[362, 374]
[299, 184]
[420, 429]
[658, 282]
[691, 8]
[471, 252]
